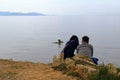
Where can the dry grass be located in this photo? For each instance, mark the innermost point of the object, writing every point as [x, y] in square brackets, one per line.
[14, 70]
[78, 68]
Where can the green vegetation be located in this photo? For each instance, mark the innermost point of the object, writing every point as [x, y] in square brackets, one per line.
[73, 73]
[104, 74]
[8, 76]
[62, 67]
[118, 69]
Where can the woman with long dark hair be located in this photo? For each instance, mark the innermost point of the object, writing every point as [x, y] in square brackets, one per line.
[70, 47]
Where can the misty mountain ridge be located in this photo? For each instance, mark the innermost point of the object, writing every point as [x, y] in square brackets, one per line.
[6, 13]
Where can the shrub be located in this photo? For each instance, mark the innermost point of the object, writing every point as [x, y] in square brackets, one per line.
[118, 69]
[103, 74]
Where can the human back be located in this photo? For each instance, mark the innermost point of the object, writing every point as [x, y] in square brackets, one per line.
[85, 48]
[70, 47]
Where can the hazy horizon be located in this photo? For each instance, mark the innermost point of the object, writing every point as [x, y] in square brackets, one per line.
[63, 7]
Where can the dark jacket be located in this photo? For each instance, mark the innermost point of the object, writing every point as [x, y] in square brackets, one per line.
[70, 48]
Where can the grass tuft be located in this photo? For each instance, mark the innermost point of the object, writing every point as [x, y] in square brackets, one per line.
[73, 73]
[61, 67]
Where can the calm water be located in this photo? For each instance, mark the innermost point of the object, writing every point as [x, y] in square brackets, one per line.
[30, 38]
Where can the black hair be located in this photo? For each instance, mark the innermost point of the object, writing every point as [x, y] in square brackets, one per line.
[85, 39]
[74, 37]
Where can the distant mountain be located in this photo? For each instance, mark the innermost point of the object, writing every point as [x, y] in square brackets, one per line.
[20, 14]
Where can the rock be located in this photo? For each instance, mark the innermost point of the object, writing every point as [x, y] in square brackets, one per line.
[84, 58]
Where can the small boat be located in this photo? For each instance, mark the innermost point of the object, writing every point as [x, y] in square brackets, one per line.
[58, 42]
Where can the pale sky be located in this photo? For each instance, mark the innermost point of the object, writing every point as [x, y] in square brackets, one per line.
[63, 7]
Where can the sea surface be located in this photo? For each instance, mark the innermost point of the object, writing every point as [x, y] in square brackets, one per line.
[31, 38]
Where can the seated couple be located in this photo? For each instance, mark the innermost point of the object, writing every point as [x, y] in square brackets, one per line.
[82, 49]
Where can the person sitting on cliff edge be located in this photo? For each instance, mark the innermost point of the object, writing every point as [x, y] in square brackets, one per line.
[70, 47]
[86, 49]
